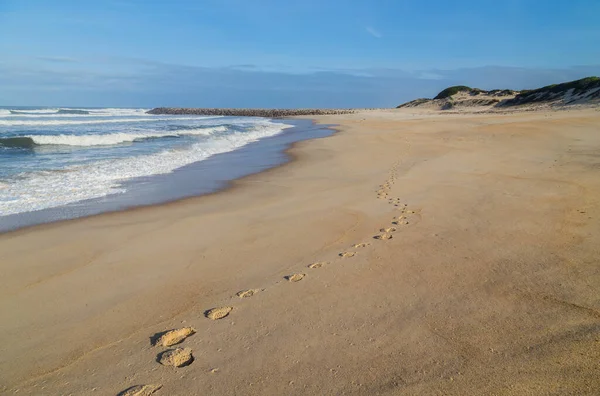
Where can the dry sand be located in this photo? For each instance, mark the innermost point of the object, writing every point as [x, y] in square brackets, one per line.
[490, 283]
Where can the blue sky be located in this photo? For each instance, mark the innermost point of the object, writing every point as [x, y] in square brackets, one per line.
[273, 53]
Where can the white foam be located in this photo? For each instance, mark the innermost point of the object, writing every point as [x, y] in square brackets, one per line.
[112, 112]
[115, 138]
[34, 111]
[42, 190]
[55, 122]
[41, 113]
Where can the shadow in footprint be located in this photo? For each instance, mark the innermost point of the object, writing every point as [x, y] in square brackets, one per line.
[140, 390]
[295, 277]
[318, 264]
[360, 245]
[179, 357]
[154, 338]
[218, 313]
[171, 337]
[248, 293]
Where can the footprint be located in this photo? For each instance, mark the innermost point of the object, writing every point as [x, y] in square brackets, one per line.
[176, 357]
[295, 277]
[218, 313]
[347, 254]
[318, 264]
[360, 245]
[383, 236]
[173, 337]
[140, 390]
[248, 293]
[388, 230]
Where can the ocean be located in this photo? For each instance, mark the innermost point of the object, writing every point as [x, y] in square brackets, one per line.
[81, 158]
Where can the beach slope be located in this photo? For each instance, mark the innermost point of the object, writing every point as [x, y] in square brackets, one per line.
[412, 252]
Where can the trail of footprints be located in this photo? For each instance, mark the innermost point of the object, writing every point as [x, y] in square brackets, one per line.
[181, 357]
[384, 190]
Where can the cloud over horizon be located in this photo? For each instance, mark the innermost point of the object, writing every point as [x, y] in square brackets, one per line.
[124, 82]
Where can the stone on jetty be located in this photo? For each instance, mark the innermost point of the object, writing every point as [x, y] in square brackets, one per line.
[269, 113]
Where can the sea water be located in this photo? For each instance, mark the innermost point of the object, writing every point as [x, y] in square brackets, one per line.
[52, 157]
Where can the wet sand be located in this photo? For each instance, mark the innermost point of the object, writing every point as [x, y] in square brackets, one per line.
[199, 178]
[410, 253]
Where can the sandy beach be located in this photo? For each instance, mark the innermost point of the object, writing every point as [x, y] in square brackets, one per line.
[434, 254]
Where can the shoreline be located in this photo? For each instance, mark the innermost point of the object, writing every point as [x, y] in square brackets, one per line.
[118, 203]
[499, 234]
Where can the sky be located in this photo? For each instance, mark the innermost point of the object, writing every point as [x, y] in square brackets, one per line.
[275, 53]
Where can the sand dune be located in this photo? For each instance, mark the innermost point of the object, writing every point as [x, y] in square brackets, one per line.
[484, 279]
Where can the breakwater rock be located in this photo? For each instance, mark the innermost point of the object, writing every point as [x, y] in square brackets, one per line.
[270, 113]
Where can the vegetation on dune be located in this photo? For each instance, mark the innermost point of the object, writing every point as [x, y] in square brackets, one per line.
[414, 103]
[553, 91]
[578, 85]
[577, 91]
[502, 92]
[446, 93]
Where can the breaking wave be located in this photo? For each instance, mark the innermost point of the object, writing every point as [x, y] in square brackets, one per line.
[38, 190]
[31, 141]
[66, 111]
[55, 122]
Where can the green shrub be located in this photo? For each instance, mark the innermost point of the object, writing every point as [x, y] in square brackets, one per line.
[452, 91]
[549, 92]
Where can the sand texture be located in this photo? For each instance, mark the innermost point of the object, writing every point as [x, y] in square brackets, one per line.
[444, 254]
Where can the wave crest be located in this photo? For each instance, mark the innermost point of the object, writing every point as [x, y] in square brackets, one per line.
[55, 122]
[31, 141]
[67, 111]
[105, 177]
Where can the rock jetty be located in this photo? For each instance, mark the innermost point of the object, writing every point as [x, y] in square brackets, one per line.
[270, 113]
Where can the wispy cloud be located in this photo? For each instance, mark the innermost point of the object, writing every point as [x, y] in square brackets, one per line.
[427, 75]
[145, 83]
[243, 67]
[373, 32]
[57, 59]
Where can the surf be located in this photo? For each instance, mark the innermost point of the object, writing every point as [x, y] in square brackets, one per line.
[30, 141]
